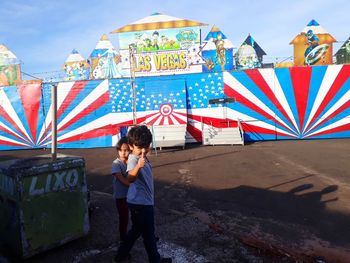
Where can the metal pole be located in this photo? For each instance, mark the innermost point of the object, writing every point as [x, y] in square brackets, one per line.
[54, 122]
[133, 81]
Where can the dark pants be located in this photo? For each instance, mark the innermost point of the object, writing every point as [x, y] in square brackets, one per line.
[123, 212]
[142, 218]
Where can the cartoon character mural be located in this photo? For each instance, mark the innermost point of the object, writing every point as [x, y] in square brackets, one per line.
[313, 46]
[76, 67]
[343, 54]
[217, 51]
[315, 51]
[10, 71]
[105, 61]
[249, 55]
[163, 45]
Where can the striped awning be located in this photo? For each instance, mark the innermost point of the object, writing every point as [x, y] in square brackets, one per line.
[157, 21]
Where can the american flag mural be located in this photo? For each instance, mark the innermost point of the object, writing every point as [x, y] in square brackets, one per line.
[271, 104]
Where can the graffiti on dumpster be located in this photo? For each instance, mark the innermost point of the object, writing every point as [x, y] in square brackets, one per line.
[58, 181]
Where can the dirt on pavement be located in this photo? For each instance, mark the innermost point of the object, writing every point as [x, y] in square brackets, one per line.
[277, 201]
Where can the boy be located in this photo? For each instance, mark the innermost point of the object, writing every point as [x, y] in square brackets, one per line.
[140, 197]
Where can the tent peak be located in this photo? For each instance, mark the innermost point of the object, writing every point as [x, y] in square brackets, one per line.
[313, 22]
[104, 37]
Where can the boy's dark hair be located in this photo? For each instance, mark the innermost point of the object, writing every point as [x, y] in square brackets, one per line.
[140, 136]
[121, 141]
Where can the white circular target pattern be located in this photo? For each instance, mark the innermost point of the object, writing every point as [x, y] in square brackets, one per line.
[166, 109]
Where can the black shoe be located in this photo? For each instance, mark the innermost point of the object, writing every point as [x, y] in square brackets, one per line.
[121, 259]
[166, 260]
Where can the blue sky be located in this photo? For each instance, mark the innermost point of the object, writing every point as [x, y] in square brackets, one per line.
[42, 33]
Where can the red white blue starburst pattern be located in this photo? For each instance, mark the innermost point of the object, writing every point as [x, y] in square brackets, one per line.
[290, 103]
[82, 115]
[300, 102]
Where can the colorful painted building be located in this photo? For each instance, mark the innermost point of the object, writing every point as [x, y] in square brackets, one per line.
[76, 67]
[249, 55]
[217, 51]
[173, 89]
[313, 46]
[10, 70]
[163, 45]
[343, 54]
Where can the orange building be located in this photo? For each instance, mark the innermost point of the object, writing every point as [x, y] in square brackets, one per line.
[313, 46]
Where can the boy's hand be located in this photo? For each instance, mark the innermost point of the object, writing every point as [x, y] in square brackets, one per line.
[141, 162]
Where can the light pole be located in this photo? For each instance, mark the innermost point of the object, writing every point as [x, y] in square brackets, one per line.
[133, 81]
[54, 122]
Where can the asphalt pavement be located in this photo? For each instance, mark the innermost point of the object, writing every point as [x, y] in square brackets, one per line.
[274, 201]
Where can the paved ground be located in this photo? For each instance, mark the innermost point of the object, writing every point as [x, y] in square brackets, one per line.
[284, 201]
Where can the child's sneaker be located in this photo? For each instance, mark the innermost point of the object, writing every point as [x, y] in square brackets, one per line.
[120, 259]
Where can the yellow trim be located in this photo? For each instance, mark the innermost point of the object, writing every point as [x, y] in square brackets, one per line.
[157, 25]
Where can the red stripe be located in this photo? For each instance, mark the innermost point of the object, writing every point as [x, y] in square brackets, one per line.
[179, 120]
[215, 122]
[258, 79]
[259, 130]
[162, 121]
[342, 77]
[72, 94]
[7, 117]
[340, 110]
[195, 133]
[170, 120]
[2, 142]
[239, 98]
[114, 129]
[149, 116]
[98, 132]
[345, 127]
[301, 84]
[30, 97]
[103, 99]
[45, 132]
[11, 133]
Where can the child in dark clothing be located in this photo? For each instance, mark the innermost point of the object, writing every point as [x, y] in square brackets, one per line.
[140, 197]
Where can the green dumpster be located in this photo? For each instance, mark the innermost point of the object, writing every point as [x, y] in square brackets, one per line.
[43, 204]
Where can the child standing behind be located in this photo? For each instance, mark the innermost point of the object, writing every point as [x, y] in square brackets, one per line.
[121, 185]
[140, 197]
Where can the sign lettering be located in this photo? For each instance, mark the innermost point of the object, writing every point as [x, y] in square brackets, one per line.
[57, 181]
[167, 61]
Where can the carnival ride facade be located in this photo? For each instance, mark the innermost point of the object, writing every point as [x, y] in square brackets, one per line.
[176, 77]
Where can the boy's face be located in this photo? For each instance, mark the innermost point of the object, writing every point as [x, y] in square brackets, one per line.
[137, 150]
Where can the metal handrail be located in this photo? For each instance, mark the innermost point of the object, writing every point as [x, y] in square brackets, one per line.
[240, 130]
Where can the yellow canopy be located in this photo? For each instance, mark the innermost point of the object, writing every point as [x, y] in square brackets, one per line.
[157, 21]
